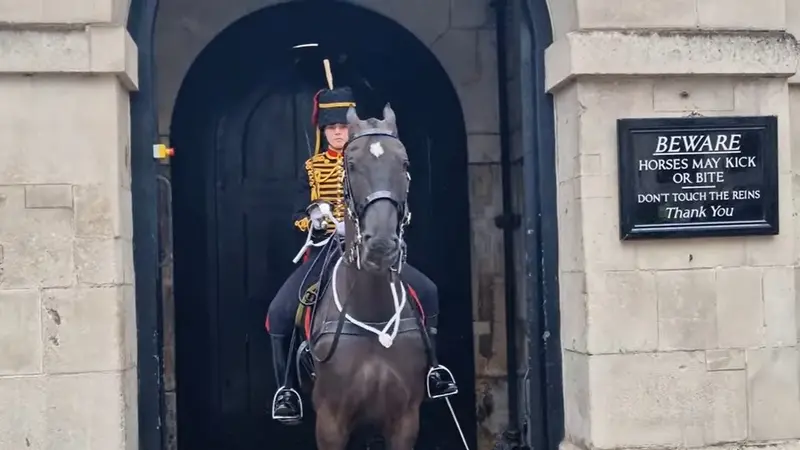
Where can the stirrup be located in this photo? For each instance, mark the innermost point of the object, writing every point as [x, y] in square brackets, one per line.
[294, 393]
[445, 375]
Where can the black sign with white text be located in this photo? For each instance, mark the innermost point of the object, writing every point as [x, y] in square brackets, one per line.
[698, 176]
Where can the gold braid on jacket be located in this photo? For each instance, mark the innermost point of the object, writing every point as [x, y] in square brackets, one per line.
[326, 179]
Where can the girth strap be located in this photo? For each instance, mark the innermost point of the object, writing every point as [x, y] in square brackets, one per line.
[406, 325]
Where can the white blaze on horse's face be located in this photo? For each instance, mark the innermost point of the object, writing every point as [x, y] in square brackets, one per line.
[376, 149]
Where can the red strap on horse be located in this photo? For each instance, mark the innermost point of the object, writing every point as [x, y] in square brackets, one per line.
[416, 299]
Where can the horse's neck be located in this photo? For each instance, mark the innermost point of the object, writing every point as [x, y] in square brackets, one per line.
[368, 295]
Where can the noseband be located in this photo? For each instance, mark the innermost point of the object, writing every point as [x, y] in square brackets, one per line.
[356, 208]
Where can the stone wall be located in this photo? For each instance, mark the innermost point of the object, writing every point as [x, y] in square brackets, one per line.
[685, 343]
[678, 343]
[67, 317]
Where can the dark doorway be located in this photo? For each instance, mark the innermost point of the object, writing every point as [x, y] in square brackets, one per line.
[242, 130]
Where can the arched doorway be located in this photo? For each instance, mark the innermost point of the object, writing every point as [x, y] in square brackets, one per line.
[242, 130]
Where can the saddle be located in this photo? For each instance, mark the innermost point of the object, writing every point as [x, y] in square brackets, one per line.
[304, 319]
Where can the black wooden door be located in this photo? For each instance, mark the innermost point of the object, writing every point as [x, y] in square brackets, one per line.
[261, 147]
[241, 148]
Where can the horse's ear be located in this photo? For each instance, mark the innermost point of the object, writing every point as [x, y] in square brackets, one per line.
[352, 117]
[389, 118]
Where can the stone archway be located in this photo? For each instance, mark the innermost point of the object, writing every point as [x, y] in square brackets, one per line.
[460, 38]
[450, 44]
[232, 203]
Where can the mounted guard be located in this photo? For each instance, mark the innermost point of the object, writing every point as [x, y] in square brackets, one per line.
[323, 219]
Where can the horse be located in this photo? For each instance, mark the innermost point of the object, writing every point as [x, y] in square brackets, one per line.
[366, 323]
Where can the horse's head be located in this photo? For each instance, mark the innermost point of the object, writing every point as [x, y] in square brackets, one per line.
[376, 191]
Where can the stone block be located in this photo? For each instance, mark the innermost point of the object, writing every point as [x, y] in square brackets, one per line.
[776, 250]
[795, 193]
[742, 14]
[427, 19]
[86, 411]
[564, 17]
[663, 400]
[483, 148]
[129, 328]
[690, 254]
[567, 112]
[84, 11]
[130, 396]
[597, 186]
[577, 396]
[794, 120]
[601, 245]
[36, 243]
[793, 17]
[668, 53]
[780, 306]
[20, 333]
[769, 97]
[485, 193]
[23, 417]
[725, 417]
[470, 59]
[85, 330]
[740, 308]
[592, 165]
[600, 103]
[618, 14]
[44, 51]
[687, 309]
[100, 261]
[649, 400]
[570, 236]
[79, 145]
[725, 359]
[112, 50]
[14, 11]
[48, 196]
[773, 392]
[573, 307]
[471, 14]
[693, 94]
[622, 312]
[103, 211]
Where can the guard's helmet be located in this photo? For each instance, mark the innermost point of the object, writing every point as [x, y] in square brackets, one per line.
[331, 105]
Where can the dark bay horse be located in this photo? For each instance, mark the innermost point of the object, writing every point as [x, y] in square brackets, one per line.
[371, 367]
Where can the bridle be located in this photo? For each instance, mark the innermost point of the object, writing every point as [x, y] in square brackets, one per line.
[356, 208]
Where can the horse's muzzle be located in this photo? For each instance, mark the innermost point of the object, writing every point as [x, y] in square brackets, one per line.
[381, 253]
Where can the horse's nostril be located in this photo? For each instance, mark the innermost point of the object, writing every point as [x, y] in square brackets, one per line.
[367, 237]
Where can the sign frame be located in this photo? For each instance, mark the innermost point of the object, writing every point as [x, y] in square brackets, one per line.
[628, 171]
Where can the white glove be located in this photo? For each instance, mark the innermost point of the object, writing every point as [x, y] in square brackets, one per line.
[340, 228]
[316, 216]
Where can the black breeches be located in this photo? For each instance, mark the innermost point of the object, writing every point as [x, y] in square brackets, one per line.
[283, 308]
[424, 287]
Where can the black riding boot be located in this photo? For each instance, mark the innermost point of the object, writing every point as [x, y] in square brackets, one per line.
[441, 382]
[287, 407]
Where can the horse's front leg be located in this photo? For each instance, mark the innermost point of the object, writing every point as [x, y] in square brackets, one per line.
[402, 434]
[331, 432]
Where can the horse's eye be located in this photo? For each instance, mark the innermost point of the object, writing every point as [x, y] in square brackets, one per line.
[405, 165]
[351, 166]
